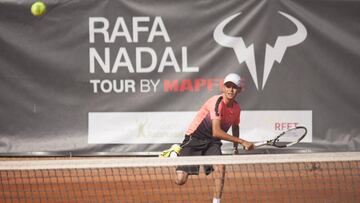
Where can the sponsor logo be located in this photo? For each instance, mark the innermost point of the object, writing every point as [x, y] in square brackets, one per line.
[272, 53]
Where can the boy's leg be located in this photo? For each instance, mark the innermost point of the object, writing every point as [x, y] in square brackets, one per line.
[219, 179]
[218, 170]
[190, 147]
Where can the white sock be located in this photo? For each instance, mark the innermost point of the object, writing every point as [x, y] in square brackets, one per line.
[173, 154]
[216, 200]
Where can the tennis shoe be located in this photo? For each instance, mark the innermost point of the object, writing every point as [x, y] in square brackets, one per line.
[173, 151]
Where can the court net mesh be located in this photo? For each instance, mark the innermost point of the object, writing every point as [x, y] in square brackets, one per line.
[315, 177]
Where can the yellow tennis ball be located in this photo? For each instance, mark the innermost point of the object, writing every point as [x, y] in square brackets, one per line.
[38, 8]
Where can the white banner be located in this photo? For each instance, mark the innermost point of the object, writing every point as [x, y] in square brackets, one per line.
[170, 127]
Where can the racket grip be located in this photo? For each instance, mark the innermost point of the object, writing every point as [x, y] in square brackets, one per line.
[259, 144]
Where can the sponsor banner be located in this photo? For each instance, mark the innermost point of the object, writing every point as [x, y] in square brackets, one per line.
[127, 76]
[170, 127]
[265, 125]
[138, 127]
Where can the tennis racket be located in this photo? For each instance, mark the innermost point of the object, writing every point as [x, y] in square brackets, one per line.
[285, 139]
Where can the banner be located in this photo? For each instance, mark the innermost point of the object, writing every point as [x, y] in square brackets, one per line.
[127, 77]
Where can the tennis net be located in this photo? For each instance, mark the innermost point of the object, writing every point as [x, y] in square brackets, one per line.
[308, 177]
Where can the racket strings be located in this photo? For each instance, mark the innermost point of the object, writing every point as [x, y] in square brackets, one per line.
[289, 137]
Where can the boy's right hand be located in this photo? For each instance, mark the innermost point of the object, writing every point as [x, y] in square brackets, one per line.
[248, 145]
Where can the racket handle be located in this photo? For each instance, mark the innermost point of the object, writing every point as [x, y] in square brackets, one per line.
[259, 144]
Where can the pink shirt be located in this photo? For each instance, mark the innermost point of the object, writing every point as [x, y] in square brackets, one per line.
[201, 126]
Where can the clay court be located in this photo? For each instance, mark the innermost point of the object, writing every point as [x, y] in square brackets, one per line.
[269, 182]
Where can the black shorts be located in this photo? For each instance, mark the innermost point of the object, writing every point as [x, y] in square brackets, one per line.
[193, 146]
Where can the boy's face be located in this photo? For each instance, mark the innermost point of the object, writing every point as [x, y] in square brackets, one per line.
[231, 90]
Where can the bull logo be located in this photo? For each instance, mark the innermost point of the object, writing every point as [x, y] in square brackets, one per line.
[272, 54]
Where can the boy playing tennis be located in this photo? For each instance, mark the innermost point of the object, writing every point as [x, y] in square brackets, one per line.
[206, 131]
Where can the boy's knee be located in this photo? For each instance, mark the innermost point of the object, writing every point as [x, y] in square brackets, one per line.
[181, 177]
[180, 181]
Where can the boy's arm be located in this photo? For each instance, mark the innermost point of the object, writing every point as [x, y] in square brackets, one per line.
[220, 134]
[235, 133]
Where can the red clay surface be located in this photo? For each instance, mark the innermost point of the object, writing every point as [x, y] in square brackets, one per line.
[296, 182]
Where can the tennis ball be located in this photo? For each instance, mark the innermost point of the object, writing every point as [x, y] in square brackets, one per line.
[38, 8]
